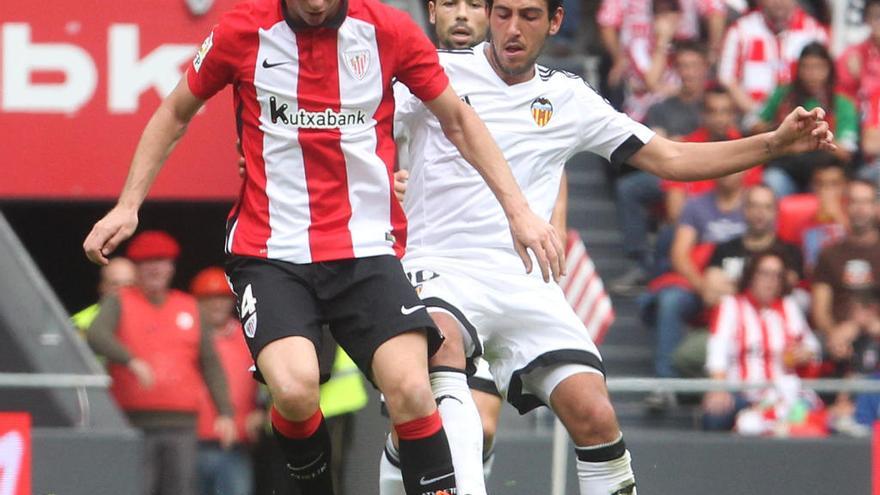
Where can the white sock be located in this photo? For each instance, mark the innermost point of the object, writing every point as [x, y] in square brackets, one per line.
[461, 420]
[605, 469]
[390, 477]
[488, 461]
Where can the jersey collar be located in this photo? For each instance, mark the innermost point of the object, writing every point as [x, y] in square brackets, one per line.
[331, 23]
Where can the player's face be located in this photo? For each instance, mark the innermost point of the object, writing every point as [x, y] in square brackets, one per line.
[814, 72]
[719, 114]
[778, 11]
[155, 275]
[313, 12]
[459, 23]
[216, 309]
[519, 29]
[760, 210]
[766, 285]
[119, 273]
[861, 207]
[693, 69]
[872, 19]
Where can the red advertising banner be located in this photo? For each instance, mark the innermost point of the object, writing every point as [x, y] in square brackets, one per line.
[15, 454]
[79, 80]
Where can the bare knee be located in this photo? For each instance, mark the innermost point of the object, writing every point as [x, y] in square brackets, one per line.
[591, 421]
[451, 352]
[408, 397]
[296, 398]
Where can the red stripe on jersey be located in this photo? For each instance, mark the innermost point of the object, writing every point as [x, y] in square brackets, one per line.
[765, 342]
[326, 176]
[252, 230]
[743, 345]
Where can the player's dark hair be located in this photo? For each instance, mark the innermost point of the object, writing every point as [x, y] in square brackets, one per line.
[751, 269]
[692, 46]
[552, 6]
[799, 94]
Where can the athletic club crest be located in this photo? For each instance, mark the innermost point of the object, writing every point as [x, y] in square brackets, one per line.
[542, 110]
[358, 63]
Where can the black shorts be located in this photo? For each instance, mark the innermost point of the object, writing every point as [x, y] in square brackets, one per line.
[365, 301]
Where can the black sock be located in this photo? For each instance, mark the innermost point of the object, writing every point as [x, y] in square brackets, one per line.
[308, 459]
[425, 461]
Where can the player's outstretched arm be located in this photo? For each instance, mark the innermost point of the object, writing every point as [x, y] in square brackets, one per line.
[469, 134]
[165, 128]
[800, 131]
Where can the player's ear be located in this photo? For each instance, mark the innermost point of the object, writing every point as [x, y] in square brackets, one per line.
[556, 20]
[432, 12]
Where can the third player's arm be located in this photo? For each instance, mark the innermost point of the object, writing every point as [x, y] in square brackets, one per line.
[800, 131]
[469, 134]
[163, 131]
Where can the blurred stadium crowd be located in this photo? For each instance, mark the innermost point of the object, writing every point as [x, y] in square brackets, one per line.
[765, 276]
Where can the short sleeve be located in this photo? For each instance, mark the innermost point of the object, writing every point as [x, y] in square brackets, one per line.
[871, 112]
[690, 214]
[214, 65]
[405, 106]
[605, 131]
[610, 13]
[771, 107]
[418, 66]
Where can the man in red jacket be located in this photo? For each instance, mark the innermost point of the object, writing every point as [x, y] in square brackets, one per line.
[225, 467]
[157, 356]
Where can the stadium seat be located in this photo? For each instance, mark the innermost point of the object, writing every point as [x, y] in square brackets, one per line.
[796, 213]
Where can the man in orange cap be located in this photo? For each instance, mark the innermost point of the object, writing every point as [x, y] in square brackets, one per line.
[157, 356]
[226, 469]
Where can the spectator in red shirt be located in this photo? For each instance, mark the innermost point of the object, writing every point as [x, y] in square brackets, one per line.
[758, 335]
[858, 68]
[224, 463]
[761, 47]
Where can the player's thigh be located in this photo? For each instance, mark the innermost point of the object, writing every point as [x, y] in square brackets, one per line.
[379, 320]
[453, 299]
[400, 371]
[540, 330]
[280, 317]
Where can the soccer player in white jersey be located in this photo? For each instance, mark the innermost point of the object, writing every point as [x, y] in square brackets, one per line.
[314, 235]
[457, 254]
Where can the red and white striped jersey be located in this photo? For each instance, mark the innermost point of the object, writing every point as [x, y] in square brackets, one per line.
[584, 289]
[758, 60]
[314, 109]
[747, 342]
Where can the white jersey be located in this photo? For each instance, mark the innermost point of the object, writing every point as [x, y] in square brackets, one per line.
[538, 124]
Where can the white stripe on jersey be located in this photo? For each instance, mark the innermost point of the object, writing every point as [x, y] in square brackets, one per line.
[285, 168]
[370, 208]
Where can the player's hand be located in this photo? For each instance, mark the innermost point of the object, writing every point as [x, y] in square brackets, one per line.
[718, 402]
[400, 178]
[224, 428]
[116, 226]
[254, 423]
[142, 371]
[532, 233]
[802, 131]
[241, 161]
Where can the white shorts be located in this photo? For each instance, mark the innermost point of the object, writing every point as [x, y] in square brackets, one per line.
[523, 324]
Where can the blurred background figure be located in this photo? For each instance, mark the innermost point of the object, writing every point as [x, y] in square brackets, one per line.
[759, 335]
[812, 87]
[761, 47]
[224, 464]
[118, 273]
[158, 355]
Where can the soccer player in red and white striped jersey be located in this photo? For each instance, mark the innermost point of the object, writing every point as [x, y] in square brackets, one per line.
[314, 234]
